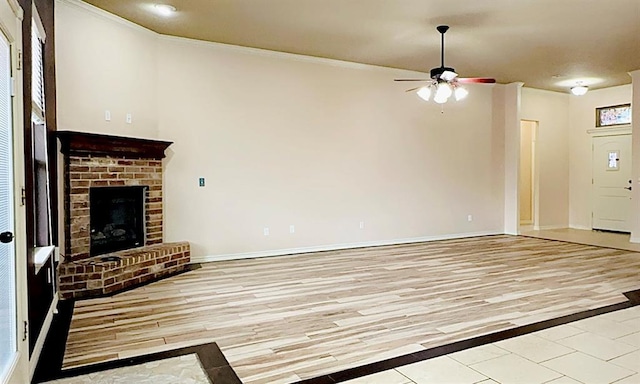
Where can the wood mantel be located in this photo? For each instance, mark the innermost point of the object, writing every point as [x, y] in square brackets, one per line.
[85, 144]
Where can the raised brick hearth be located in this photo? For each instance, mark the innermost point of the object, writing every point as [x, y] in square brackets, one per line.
[94, 161]
[93, 277]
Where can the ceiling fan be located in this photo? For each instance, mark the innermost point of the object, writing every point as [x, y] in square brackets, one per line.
[444, 81]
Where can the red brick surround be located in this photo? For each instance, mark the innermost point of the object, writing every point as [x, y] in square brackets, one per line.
[86, 172]
[93, 160]
[93, 277]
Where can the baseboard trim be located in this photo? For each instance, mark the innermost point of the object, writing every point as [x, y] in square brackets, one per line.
[634, 240]
[548, 227]
[44, 331]
[335, 247]
[581, 227]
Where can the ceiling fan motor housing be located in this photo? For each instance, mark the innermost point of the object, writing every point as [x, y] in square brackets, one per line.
[436, 72]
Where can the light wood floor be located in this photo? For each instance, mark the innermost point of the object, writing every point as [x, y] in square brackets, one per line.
[284, 318]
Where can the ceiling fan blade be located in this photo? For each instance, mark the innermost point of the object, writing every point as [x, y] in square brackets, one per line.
[413, 89]
[468, 80]
[411, 79]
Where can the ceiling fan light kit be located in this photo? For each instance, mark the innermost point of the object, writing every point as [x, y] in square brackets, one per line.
[443, 92]
[424, 92]
[444, 81]
[460, 93]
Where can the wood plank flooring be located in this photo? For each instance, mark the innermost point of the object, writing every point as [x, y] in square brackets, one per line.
[286, 318]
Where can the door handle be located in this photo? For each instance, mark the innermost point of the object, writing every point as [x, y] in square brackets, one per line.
[629, 188]
[6, 237]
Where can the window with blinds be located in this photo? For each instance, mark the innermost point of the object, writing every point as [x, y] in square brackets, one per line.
[42, 211]
[37, 74]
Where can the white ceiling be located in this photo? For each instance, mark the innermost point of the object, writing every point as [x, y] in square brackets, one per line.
[543, 43]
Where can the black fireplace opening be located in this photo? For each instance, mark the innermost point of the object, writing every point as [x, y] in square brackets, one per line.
[117, 218]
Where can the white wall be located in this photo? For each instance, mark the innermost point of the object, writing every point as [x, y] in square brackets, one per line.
[582, 118]
[104, 63]
[549, 109]
[286, 140]
[283, 141]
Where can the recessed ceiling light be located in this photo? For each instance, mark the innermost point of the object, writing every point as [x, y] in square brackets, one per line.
[164, 9]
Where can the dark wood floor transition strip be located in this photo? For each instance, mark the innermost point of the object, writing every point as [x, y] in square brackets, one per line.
[49, 365]
[633, 296]
[354, 373]
[211, 358]
[220, 372]
[50, 362]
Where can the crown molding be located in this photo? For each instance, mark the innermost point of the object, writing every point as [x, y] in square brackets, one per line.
[237, 48]
[291, 56]
[108, 16]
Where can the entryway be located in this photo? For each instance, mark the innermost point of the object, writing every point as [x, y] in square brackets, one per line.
[612, 183]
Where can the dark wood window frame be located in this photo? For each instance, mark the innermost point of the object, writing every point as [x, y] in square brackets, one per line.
[40, 288]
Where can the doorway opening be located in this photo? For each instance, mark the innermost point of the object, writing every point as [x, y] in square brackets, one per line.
[527, 184]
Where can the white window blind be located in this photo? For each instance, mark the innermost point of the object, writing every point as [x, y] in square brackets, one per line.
[37, 74]
[7, 253]
[42, 208]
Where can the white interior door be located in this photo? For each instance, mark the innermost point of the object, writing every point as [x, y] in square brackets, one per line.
[612, 182]
[13, 284]
[8, 291]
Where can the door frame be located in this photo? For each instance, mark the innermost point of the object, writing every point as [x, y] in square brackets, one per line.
[11, 16]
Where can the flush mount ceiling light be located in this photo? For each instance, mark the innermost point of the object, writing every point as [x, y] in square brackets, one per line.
[164, 9]
[579, 90]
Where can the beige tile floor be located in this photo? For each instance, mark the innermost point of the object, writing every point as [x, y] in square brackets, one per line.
[581, 236]
[598, 350]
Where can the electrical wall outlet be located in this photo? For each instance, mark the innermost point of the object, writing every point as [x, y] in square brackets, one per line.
[362, 225]
[201, 182]
[129, 118]
[265, 231]
[107, 115]
[469, 217]
[292, 229]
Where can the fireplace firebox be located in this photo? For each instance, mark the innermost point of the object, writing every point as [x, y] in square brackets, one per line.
[117, 218]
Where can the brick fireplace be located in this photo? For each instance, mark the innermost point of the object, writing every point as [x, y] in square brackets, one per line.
[96, 162]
